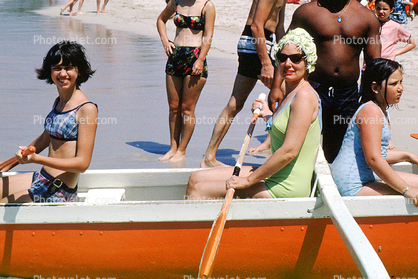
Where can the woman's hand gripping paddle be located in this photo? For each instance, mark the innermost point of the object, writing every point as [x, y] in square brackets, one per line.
[208, 257]
[415, 136]
[13, 160]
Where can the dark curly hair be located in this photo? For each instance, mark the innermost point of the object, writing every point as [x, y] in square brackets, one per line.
[71, 53]
[377, 70]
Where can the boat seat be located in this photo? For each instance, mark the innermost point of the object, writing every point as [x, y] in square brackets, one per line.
[105, 196]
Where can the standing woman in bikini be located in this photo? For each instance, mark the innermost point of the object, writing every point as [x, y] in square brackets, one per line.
[69, 133]
[186, 69]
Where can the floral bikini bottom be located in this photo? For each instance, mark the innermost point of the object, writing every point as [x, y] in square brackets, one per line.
[180, 63]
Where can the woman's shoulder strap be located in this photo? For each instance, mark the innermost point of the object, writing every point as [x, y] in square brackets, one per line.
[204, 6]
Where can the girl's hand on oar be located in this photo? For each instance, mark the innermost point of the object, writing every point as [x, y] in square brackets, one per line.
[24, 155]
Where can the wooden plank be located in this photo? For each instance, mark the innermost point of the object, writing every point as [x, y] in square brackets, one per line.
[365, 257]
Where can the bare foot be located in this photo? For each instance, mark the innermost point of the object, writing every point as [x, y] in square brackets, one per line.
[72, 13]
[179, 156]
[62, 10]
[259, 148]
[80, 13]
[211, 163]
[103, 11]
[167, 155]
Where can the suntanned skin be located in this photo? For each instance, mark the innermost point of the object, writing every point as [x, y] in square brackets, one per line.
[338, 62]
[264, 14]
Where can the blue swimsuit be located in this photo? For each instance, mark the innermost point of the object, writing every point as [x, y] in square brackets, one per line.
[45, 187]
[350, 170]
[62, 125]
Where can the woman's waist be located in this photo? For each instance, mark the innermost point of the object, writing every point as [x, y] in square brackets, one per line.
[189, 39]
[69, 178]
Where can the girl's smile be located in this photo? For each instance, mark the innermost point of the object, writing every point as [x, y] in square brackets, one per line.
[64, 76]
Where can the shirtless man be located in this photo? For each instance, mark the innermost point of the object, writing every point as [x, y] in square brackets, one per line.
[341, 30]
[266, 17]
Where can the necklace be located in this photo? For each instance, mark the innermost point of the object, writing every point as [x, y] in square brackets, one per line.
[339, 15]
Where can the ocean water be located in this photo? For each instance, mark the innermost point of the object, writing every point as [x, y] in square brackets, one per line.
[128, 86]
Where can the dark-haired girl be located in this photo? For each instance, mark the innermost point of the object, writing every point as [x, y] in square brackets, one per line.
[362, 165]
[69, 133]
[391, 32]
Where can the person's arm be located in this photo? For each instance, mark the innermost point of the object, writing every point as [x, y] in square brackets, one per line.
[209, 14]
[304, 109]
[280, 24]
[370, 136]
[410, 44]
[261, 16]
[396, 156]
[40, 143]
[162, 19]
[87, 124]
[372, 49]
[276, 93]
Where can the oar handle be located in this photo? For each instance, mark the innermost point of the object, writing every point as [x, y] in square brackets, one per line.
[247, 139]
[30, 150]
[26, 152]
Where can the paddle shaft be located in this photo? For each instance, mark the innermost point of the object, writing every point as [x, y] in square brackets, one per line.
[208, 257]
[13, 160]
[415, 136]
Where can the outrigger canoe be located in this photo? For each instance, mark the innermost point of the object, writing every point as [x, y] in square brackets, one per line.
[136, 224]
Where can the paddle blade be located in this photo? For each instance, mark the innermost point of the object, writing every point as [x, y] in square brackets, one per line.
[414, 136]
[211, 248]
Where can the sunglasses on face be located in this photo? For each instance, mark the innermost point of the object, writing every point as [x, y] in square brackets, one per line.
[295, 58]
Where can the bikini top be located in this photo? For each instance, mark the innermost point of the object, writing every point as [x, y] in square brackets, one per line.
[63, 125]
[192, 22]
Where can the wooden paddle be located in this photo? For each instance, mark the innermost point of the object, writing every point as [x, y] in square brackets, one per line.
[13, 160]
[414, 136]
[208, 257]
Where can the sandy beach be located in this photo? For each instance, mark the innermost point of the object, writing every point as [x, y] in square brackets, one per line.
[129, 85]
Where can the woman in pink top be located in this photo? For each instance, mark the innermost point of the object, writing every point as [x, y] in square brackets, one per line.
[391, 32]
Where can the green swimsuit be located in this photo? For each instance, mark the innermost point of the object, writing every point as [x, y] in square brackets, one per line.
[294, 180]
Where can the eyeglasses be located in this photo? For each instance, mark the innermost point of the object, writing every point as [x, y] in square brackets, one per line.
[295, 58]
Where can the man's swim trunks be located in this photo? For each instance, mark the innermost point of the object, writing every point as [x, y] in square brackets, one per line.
[248, 60]
[338, 106]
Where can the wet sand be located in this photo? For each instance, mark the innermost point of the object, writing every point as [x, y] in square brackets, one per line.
[129, 85]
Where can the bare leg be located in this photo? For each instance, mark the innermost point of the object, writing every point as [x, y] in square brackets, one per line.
[103, 7]
[69, 4]
[79, 12]
[98, 6]
[378, 188]
[192, 87]
[210, 184]
[242, 88]
[174, 95]
[15, 188]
